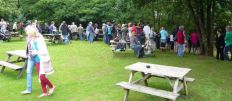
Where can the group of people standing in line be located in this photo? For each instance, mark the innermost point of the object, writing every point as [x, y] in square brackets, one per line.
[177, 41]
[73, 31]
[137, 35]
[68, 31]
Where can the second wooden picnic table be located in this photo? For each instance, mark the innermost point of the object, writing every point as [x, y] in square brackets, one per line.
[176, 77]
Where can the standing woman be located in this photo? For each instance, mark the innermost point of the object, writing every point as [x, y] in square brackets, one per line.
[90, 32]
[104, 30]
[96, 31]
[180, 41]
[124, 32]
[38, 55]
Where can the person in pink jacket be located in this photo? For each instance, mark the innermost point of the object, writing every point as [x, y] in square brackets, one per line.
[194, 38]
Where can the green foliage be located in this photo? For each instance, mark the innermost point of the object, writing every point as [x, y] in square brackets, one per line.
[168, 13]
[9, 10]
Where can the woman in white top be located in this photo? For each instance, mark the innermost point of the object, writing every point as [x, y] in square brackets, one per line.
[14, 26]
[130, 31]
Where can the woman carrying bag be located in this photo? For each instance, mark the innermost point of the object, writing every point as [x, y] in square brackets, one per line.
[38, 52]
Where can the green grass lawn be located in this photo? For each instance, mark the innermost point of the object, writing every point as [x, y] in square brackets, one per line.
[89, 72]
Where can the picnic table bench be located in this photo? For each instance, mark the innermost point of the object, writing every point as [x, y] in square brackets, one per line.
[176, 77]
[16, 34]
[21, 54]
[54, 38]
[114, 44]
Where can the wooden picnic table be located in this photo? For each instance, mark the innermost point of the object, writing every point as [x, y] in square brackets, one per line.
[21, 57]
[176, 77]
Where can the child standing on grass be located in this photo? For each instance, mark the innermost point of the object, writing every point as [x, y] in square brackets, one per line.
[38, 55]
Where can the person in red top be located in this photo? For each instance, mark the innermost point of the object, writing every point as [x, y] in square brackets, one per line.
[180, 41]
[134, 29]
[194, 41]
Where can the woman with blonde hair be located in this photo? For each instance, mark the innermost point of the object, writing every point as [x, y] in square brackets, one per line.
[38, 56]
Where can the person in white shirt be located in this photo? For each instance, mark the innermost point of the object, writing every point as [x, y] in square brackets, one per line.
[96, 31]
[14, 26]
[130, 31]
[171, 36]
[147, 31]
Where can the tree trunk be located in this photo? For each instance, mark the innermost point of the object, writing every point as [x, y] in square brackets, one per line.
[209, 50]
[203, 22]
[198, 23]
[153, 14]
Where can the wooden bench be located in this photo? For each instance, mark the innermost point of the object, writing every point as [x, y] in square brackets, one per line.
[5, 64]
[16, 34]
[189, 79]
[148, 90]
[54, 38]
[114, 45]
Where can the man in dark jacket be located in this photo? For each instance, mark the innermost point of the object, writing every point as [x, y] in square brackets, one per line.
[65, 32]
[220, 45]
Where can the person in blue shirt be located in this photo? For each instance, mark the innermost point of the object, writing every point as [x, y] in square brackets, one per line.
[109, 33]
[164, 35]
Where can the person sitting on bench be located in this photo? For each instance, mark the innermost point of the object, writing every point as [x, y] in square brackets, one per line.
[136, 46]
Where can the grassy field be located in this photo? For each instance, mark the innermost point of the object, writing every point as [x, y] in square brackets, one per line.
[89, 72]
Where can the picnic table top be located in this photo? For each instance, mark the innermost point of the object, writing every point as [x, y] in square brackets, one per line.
[51, 34]
[120, 41]
[20, 53]
[159, 70]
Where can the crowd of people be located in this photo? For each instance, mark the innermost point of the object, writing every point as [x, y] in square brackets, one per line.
[139, 34]
[135, 34]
